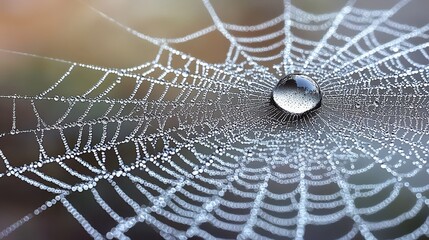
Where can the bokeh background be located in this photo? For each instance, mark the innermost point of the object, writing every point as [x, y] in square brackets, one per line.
[71, 30]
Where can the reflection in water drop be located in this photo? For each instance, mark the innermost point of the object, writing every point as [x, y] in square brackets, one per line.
[297, 94]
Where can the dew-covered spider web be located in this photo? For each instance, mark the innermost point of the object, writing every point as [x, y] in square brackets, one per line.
[180, 147]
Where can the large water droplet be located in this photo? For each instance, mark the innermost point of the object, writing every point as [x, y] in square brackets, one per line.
[297, 94]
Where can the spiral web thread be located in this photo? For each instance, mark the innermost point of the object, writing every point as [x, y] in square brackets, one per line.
[197, 150]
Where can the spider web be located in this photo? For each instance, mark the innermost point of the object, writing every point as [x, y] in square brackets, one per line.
[196, 149]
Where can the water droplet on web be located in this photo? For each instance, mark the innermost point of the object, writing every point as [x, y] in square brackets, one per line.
[104, 120]
[376, 103]
[185, 73]
[394, 48]
[297, 94]
[357, 105]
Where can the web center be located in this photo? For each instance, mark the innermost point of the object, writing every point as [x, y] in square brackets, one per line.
[297, 94]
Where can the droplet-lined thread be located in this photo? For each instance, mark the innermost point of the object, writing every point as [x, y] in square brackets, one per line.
[297, 94]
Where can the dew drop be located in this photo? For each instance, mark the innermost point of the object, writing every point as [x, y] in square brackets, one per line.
[185, 73]
[297, 94]
[357, 105]
[104, 120]
[376, 103]
[394, 49]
